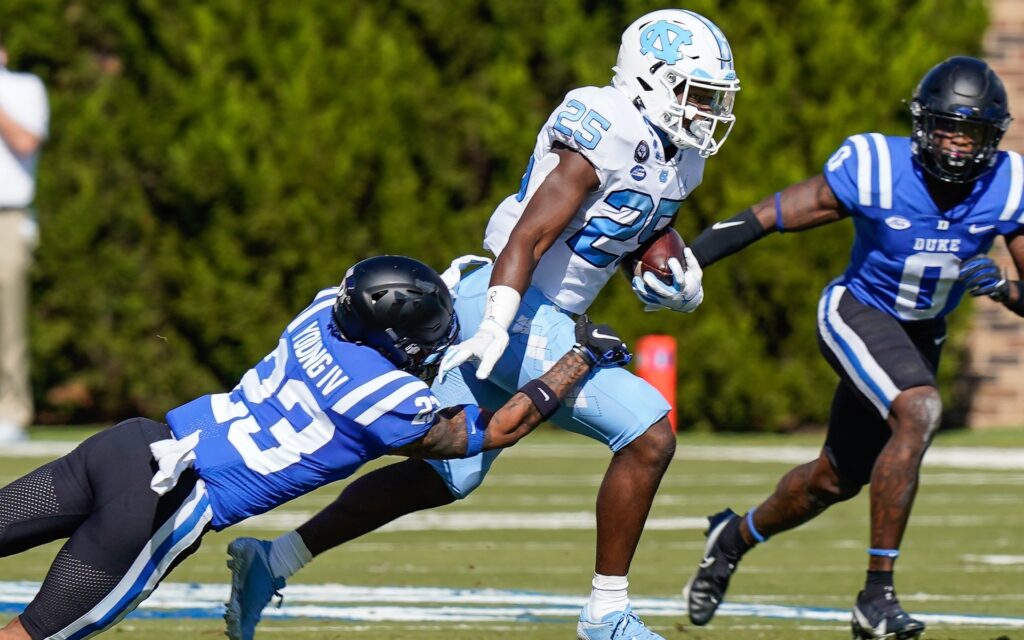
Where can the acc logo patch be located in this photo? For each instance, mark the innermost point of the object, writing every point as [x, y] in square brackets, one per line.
[663, 40]
[642, 152]
[638, 173]
[899, 223]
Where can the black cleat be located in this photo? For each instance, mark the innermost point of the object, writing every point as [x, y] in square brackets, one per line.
[706, 589]
[881, 616]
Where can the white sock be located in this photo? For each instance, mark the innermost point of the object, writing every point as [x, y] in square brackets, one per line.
[288, 554]
[610, 594]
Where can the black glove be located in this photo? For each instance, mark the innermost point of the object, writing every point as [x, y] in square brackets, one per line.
[982, 277]
[599, 345]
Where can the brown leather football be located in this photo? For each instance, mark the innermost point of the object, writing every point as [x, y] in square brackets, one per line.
[653, 255]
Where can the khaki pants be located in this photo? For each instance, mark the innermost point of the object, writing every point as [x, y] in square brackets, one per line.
[15, 260]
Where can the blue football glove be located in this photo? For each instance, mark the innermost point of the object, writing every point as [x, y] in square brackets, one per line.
[599, 345]
[983, 277]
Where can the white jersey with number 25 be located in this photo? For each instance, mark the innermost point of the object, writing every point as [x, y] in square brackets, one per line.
[639, 194]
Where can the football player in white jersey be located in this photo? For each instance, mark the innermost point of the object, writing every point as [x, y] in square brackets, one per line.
[609, 171]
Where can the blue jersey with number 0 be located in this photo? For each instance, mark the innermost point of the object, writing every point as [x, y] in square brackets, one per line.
[311, 412]
[907, 253]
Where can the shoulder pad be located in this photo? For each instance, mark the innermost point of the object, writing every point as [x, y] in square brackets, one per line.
[601, 123]
[860, 172]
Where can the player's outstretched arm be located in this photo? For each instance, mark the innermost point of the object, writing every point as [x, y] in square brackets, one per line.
[548, 212]
[800, 206]
[466, 430]
[983, 277]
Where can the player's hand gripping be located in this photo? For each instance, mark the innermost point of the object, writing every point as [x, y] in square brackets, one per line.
[486, 345]
[599, 345]
[983, 277]
[490, 339]
[684, 294]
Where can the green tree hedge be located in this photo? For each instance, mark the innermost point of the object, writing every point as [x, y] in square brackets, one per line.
[214, 164]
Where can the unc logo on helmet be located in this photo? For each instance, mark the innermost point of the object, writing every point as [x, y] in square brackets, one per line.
[664, 40]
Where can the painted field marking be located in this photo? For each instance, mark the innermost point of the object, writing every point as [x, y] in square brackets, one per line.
[996, 560]
[937, 456]
[479, 521]
[388, 604]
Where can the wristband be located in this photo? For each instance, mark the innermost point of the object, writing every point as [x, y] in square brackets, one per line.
[778, 212]
[542, 396]
[474, 430]
[502, 305]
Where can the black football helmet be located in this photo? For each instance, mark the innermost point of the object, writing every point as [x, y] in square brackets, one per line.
[960, 97]
[401, 308]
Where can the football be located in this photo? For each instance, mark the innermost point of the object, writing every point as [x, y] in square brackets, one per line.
[653, 255]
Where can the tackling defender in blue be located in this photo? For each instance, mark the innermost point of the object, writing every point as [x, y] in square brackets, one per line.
[342, 386]
[925, 210]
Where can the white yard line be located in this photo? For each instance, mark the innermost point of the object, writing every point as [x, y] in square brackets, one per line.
[997, 560]
[478, 521]
[1001, 458]
[387, 604]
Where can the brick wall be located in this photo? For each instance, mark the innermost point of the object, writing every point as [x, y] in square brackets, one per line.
[995, 368]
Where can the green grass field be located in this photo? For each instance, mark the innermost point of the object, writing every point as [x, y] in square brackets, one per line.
[528, 534]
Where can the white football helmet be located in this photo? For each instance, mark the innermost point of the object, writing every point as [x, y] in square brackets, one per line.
[678, 66]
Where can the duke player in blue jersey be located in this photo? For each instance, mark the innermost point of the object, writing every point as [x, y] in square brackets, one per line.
[609, 170]
[342, 386]
[925, 210]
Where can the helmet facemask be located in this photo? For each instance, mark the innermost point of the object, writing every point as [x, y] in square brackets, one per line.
[955, 147]
[697, 107]
[420, 358]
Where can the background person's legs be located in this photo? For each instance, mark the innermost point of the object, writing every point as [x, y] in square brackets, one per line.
[15, 390]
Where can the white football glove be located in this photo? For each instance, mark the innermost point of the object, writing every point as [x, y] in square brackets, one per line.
[490, 339]
[684, 294]
[486, 345]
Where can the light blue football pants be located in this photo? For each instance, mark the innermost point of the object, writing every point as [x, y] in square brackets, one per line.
[613, 406]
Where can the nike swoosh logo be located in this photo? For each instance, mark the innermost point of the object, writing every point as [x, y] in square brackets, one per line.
[976, 229]
[547, 398]
[706, 562]
[601, 335]
[939, 341]
[718, 226]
